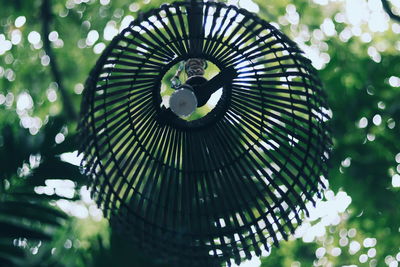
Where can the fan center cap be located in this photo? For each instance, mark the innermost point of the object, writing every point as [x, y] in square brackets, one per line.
[183, 102]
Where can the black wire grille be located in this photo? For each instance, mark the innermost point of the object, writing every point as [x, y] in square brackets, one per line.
[223, 186]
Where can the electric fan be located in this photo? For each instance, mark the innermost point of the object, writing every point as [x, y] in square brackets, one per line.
[204, 133]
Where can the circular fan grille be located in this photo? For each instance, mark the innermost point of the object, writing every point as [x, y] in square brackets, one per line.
[216, 187]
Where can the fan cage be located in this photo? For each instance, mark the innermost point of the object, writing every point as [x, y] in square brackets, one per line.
[166, 181]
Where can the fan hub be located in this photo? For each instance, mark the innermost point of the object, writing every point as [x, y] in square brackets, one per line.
[183, 102]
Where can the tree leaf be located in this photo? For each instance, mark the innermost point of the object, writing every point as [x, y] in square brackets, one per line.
[32, 211]
[12, 230]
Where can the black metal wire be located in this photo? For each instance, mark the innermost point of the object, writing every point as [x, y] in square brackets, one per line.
[223, 186]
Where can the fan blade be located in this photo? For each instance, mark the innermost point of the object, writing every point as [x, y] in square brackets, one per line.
[223, 78]
[203, 92]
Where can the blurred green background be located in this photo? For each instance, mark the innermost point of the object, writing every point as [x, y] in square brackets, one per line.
[47, 48]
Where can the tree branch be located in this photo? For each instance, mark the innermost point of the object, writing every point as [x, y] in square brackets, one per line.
[388, 10]
[47, 18]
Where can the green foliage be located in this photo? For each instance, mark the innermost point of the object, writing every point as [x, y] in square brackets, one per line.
[359, 73]
[27, 218]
